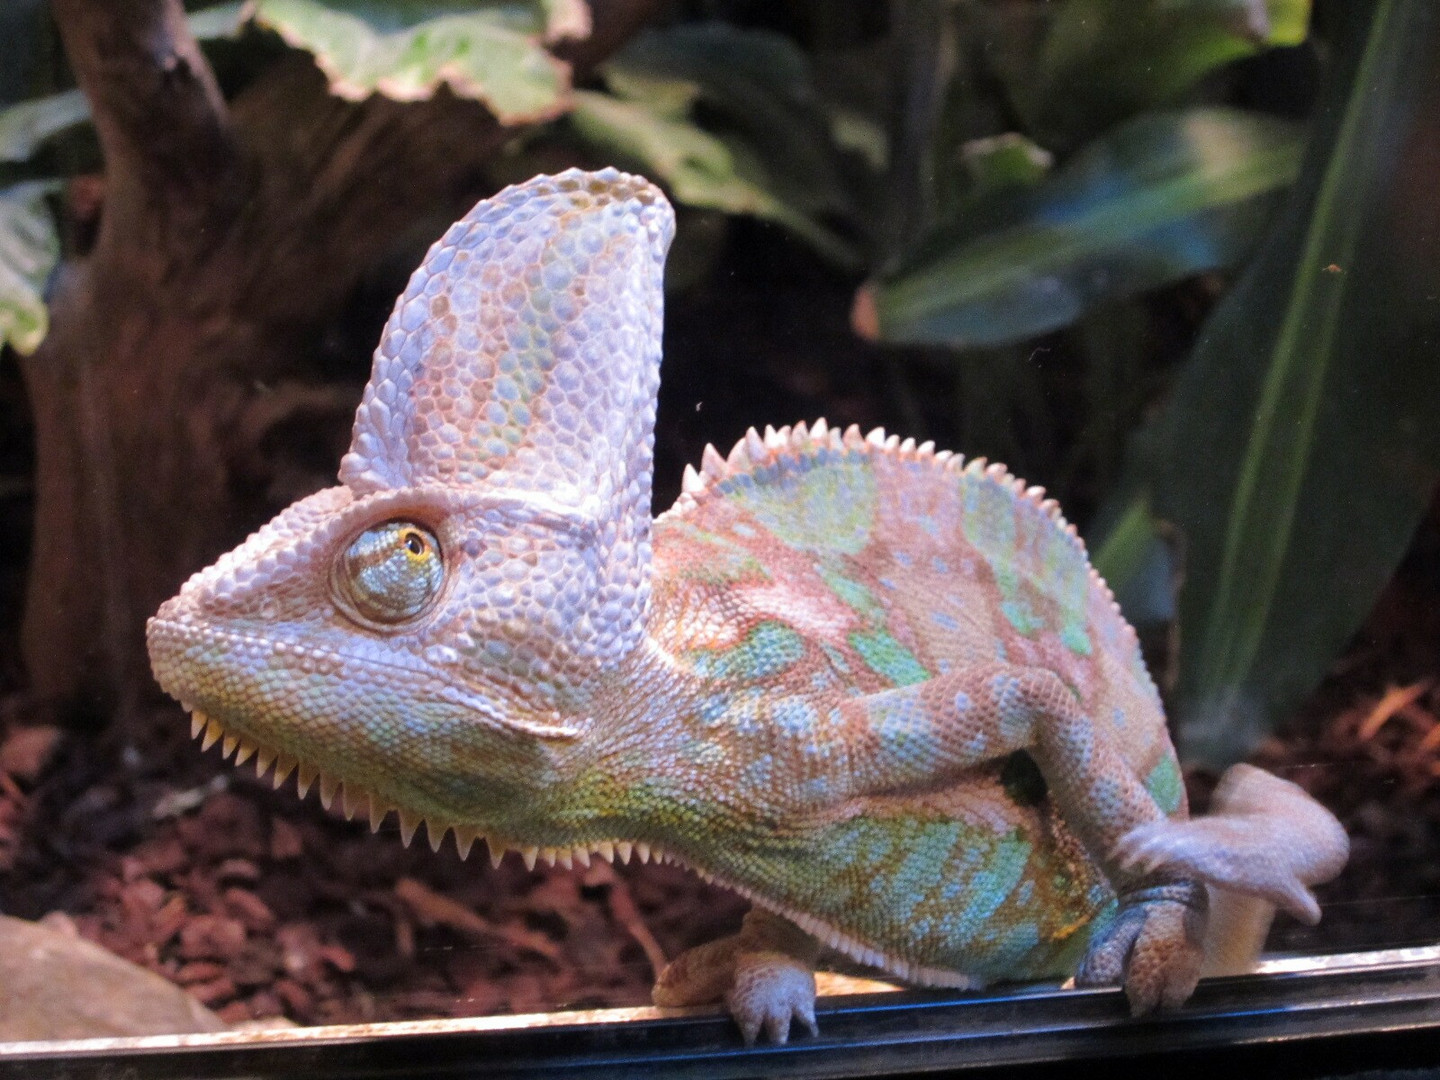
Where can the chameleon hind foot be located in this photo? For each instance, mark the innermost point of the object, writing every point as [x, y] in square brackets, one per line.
[1264, 837]
[765, 974]
[1154, 947]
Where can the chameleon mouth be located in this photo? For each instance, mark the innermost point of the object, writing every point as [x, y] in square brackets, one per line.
[359, 801]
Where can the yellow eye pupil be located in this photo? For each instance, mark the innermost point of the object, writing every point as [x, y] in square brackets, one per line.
[414, 543]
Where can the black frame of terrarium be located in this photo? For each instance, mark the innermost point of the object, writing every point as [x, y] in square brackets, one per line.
[1304, 1017]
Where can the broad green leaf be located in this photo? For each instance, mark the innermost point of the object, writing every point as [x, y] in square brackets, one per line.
[1163, 197]
[1121, 558]
[405, 49]
[25, 126]
[759, 93]
[29, 249]
[1104, 60]
[1003, 163]
[699, 168]
[1300, 447]
[218, 21]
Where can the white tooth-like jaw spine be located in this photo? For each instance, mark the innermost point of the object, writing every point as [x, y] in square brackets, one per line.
[357, 801]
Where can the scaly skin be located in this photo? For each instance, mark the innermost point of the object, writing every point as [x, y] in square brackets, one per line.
[874, 688]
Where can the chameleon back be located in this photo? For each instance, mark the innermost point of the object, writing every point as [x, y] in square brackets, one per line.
[811, 567]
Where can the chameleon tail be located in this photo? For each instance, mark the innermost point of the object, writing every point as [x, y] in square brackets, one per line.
[1235, 932]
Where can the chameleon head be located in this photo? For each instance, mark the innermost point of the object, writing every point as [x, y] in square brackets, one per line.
[413, 631]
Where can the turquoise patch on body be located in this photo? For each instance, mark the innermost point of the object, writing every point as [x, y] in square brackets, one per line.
[725, 559]
[963, 897]
[992, 885]
[767, 650]
[886, 656]
[1018, 611]
[794, 715]
[836, 658]
[1074, 638]
[827, 506]
[1166, 785]
[852, 594]
[1029, 557]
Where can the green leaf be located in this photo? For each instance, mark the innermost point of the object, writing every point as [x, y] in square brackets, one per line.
[1300, 447]
[406, 49]
[218, 21]
[1103, 60]
[700, 169]
[29, 249]
[24, 127]
[759, 93]
[1162, 197]
[1003, 163]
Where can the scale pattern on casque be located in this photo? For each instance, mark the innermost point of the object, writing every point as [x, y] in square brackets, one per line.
[874, 687]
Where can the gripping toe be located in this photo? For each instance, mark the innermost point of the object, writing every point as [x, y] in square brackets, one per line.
[770, 991]
[765, 975]
[1154, 947]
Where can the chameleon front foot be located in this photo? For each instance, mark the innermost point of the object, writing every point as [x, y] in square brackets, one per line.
[1154, 948]
[765, 975]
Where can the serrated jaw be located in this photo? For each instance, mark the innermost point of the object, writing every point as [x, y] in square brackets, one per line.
[356, 801]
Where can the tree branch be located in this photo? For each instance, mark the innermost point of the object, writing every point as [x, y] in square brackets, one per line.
[170, 155]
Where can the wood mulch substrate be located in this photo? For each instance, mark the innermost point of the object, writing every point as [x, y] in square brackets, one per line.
[265, 906]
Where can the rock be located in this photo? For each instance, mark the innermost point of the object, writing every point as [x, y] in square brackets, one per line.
[26, 751]
[54, 985]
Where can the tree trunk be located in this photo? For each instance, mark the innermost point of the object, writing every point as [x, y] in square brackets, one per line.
[229, 238]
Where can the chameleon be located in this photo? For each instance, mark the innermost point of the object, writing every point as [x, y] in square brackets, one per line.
[874, 687]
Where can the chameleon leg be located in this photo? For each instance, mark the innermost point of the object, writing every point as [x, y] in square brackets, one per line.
[765, 974]
[926, 733]
[1265, 839]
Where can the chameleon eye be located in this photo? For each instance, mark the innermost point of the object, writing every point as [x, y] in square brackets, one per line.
[390, 572]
